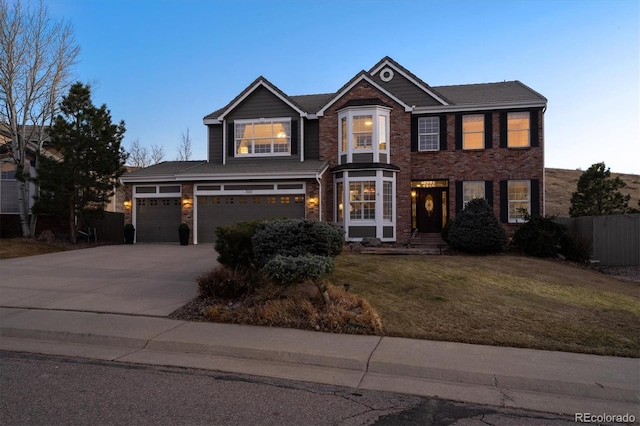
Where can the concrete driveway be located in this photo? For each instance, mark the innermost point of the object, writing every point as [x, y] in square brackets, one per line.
[143, 279]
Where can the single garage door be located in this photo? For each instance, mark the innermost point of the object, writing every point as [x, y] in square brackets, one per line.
[224, 210]
[157, 220]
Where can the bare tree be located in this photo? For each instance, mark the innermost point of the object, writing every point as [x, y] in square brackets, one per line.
[36, 58]
[139, 156]
[184, 148]
[157, 154]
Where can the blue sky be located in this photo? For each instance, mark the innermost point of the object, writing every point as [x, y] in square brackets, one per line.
[162, 65]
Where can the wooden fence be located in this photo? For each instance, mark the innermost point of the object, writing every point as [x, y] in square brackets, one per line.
[109, 227]
[615, 240]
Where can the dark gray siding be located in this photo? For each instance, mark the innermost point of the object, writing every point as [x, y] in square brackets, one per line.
[215, 143]
[311, 139]
[262, 104]
[405, 90]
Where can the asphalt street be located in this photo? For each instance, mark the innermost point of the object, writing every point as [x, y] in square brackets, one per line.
[46, 390]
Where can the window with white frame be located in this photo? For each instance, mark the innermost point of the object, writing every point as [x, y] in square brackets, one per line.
[364, 130]
[428, 133]
[473, 131]
[518, 129]
[472, 190]
[387, 200]
[362, 200]
[519, 196]
[263, 137]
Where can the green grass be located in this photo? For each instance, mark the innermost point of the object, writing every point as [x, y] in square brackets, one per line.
[504, 300]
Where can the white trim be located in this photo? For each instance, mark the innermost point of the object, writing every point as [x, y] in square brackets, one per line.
[301, 138]
[388, 77]
[211, 121]
[224, 142]
[262, 83]
[387, 63]
[263, 120]
[407, 108]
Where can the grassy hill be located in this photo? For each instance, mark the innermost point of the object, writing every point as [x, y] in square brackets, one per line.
[561, 183]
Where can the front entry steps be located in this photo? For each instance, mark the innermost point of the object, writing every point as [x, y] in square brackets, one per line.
[428, 241]
[420, 243]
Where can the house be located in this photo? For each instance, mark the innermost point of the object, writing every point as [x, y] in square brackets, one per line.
[385, 156]
[9, 201]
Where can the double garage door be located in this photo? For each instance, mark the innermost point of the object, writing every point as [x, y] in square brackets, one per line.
[157, 219]
[214, 211]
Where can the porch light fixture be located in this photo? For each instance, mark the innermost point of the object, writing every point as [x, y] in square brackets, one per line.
[127, 204]
[187, 202]
[313, 201]
[413, 194]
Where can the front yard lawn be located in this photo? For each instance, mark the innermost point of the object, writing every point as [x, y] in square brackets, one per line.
[504, 300]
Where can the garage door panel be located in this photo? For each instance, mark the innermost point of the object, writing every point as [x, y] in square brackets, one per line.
[157, 220]
[226, 210]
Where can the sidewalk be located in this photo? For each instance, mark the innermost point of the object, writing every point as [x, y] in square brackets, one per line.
[555, 382]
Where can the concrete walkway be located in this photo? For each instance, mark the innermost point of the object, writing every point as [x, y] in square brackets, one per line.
[120, 324]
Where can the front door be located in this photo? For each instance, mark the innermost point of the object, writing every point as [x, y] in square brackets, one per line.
[431, 209]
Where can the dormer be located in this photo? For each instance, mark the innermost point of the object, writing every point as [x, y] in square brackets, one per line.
[363, 132]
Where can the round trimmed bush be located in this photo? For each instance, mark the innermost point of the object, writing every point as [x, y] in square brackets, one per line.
[477, 230]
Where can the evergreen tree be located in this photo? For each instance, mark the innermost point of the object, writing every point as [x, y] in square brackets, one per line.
[477, 229]
[90, 161]
[597, 194]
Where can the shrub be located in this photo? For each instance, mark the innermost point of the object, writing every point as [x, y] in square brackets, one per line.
[539, 236]
[543, 237]
[289, 270]
[477, 230]
[226, 283]
[234, 245]
[296, 237]
[445, 230]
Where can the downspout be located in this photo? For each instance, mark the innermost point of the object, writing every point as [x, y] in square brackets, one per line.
[318, 176]
[224, 142]
[301, 139]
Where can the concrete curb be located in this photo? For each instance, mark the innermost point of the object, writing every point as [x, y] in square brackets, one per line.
[531, 379]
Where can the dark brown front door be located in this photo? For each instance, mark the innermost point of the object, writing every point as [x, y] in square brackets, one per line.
[429, 209]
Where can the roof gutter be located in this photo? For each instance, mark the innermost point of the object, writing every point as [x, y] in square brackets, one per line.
[478, 107]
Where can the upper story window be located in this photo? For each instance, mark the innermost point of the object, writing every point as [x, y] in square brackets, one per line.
[428, 133]
[518, 126]
[473, 131]
[364, 130]
[271, 136]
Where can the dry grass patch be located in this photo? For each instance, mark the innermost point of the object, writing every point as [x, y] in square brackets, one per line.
[22, 247]
[500, 300]
[295, 307]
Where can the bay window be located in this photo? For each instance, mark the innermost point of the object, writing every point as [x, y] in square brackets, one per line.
[364, 135]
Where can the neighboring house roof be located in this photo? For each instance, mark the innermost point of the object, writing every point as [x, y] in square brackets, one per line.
[202, 170]
[424, 98]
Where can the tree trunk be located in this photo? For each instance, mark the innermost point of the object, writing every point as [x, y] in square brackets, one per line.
[23, 206]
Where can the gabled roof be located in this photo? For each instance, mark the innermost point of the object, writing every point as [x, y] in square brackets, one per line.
[421, 85]
[507, 94]
[257, 83]
[361, 76]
